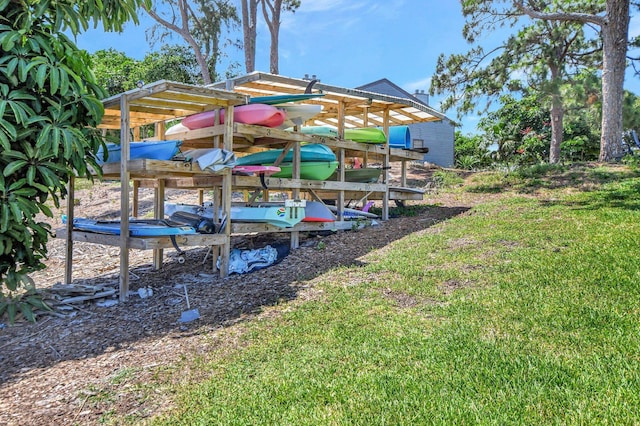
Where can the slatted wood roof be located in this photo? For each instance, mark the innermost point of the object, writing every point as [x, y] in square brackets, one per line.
[361, 108]
[164, 100]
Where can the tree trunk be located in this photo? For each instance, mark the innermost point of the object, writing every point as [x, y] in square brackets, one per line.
[273, 52]
[614, 48]
[557, 113]
[249, 24]
[557, 127]
[274, 28]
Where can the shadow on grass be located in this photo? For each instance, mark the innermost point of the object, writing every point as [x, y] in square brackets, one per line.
[624, 196]
[93, 331]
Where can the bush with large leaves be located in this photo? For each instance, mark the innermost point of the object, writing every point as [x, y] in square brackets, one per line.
[49, 106]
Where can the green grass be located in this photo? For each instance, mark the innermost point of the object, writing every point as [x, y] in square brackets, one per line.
[526, 311]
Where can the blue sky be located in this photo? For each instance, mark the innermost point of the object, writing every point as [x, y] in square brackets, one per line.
[349, 43]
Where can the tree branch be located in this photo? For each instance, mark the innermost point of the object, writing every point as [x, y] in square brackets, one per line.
[560, 16]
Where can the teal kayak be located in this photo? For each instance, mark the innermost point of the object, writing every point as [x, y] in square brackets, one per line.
[280, 99]
[310, 152]
[326, 131]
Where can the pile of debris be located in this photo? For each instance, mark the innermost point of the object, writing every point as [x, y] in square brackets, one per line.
[64, 298]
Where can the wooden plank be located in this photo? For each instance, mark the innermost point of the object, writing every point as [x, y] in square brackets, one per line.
[283, 184]
[399, 154]
[144, 167]
[206, 132]
[190, 98]
[386, 166]
[176, 90]
[158, 213]
[124, 199]
[186, 182]
[68, 235]
[145, 243]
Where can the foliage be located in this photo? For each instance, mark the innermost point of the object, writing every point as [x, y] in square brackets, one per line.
[115, 71]
[540, 56]
[118, 73]
[48, 103]
[447, 179]
[471, 152]
[520, 129]
[173, 63]
[548, 46]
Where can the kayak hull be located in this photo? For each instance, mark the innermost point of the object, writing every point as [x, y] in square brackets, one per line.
[363, 175]
[153, 150]
[280, 215]
[256, 114]
[310, 152]
[309, 170]
[137, 228]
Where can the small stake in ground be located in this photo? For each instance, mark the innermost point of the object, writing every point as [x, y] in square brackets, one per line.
[189, 314]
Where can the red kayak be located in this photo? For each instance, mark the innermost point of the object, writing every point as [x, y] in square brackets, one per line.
[257, 114]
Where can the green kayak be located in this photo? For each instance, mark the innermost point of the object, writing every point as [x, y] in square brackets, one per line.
[311, 170]
[363, 135]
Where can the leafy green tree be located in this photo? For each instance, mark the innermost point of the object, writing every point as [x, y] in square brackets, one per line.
[200, 25]
[49, 102]
[470, 151]
[172, 62]
[115, 71]
[543, 53]
[612, 17]
[519, 129]
[118, 73]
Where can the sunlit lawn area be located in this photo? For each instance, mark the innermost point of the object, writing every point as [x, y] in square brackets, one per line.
[524, 311]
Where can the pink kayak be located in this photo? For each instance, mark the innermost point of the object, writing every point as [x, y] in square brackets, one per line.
[258, 114]
[256, 170]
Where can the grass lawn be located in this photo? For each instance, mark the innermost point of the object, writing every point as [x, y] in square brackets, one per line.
[524, 311]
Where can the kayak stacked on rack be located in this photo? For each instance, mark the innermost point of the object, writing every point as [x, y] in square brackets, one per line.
[317, 161]
[363, 134]
[284, 215]
[256, 114]
[362, 175]
[280, 111]
[152, 150]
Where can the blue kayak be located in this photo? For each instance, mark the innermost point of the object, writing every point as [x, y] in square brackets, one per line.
[137, 228]
[153, 150]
